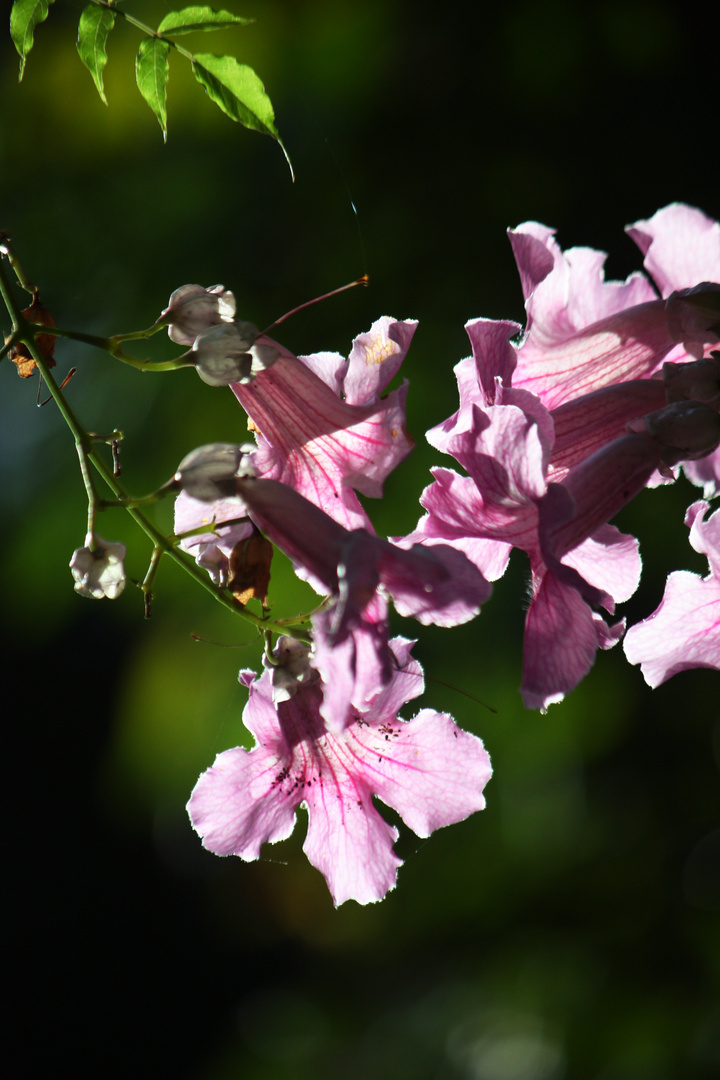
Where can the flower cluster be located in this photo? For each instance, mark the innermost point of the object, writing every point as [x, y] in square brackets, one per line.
[611, 388]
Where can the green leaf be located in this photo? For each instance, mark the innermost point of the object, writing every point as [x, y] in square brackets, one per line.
[151, 73]
[93, 29]
[191, 19]
[236, 89]
[24, 17]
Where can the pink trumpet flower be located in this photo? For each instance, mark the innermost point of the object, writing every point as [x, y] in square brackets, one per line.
[427, 769]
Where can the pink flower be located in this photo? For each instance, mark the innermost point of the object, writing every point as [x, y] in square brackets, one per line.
[578, 562]
[560, 432]
[437, 585]
[321, 425]
[584, 333]
[321, 428]
[355, 569]
[684, 632]
[427, 769]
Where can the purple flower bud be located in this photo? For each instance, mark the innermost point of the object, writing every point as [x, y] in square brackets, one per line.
[685, 430]
[697, 381]
[693, 316]
[98, 568]
[210, 472]
[192, 309]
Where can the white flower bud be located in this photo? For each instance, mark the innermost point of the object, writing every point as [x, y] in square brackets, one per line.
[263, 357]
[192, 309]
[291, 668]
[98, 568]
[222, 354]
[209, 472]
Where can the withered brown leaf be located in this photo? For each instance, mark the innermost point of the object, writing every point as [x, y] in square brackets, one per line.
[249, 571]
[20, 354]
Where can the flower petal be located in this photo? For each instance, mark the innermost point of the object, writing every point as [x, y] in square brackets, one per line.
[237, 804]
[427, 769]
[681, 246]
[683, 633]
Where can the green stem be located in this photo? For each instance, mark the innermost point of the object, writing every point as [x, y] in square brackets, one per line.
[141, 26]
[86, 454]
[108, 345]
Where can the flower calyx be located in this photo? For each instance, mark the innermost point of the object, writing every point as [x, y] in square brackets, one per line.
[696, 381]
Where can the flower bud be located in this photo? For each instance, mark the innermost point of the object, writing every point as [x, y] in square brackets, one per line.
[209, 472]
[685, 430]
[291, 668]
[98, 568]
[263, 357]
[192, 309]
[693, 316]
[696, 381]
[222, 354]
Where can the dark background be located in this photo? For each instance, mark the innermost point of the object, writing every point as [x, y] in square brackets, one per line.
[571, 929]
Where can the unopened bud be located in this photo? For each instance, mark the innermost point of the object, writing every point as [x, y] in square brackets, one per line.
[693, 316]
[685, 430]
[210, 472]
[192, 309]
[696, 381]
[263, 357]
[291, 668]
[98, 568]
[222, 354]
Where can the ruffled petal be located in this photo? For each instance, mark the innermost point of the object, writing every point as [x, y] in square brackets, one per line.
[348, 841]
[681, 246]
[683, 633]
[562, 636]
[427, 769]
[238, 805]
[375, 357]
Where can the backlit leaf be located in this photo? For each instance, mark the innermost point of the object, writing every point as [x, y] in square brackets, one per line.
[151, 73]
[192, 19]
[236, 89]
[93, 29]
[24, 17]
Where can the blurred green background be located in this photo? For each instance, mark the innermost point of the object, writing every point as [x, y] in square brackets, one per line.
[571, 929]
